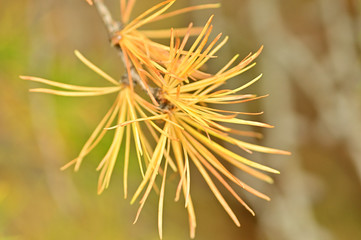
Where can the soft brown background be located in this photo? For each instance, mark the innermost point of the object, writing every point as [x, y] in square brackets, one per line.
[311, 67]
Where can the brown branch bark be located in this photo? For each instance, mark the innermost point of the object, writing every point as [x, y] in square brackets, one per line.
[113, 27]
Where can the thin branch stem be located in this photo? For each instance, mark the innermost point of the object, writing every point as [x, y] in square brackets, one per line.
[113, 27]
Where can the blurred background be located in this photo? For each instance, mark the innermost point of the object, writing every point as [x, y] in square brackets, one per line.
[311, 67]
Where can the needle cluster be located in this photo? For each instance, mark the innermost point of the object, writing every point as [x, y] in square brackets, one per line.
[181, 123]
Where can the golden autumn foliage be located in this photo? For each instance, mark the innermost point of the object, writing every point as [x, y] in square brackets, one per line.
[181, 124]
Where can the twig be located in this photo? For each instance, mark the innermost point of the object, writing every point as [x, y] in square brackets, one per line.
[111, 25]
[113, 28]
